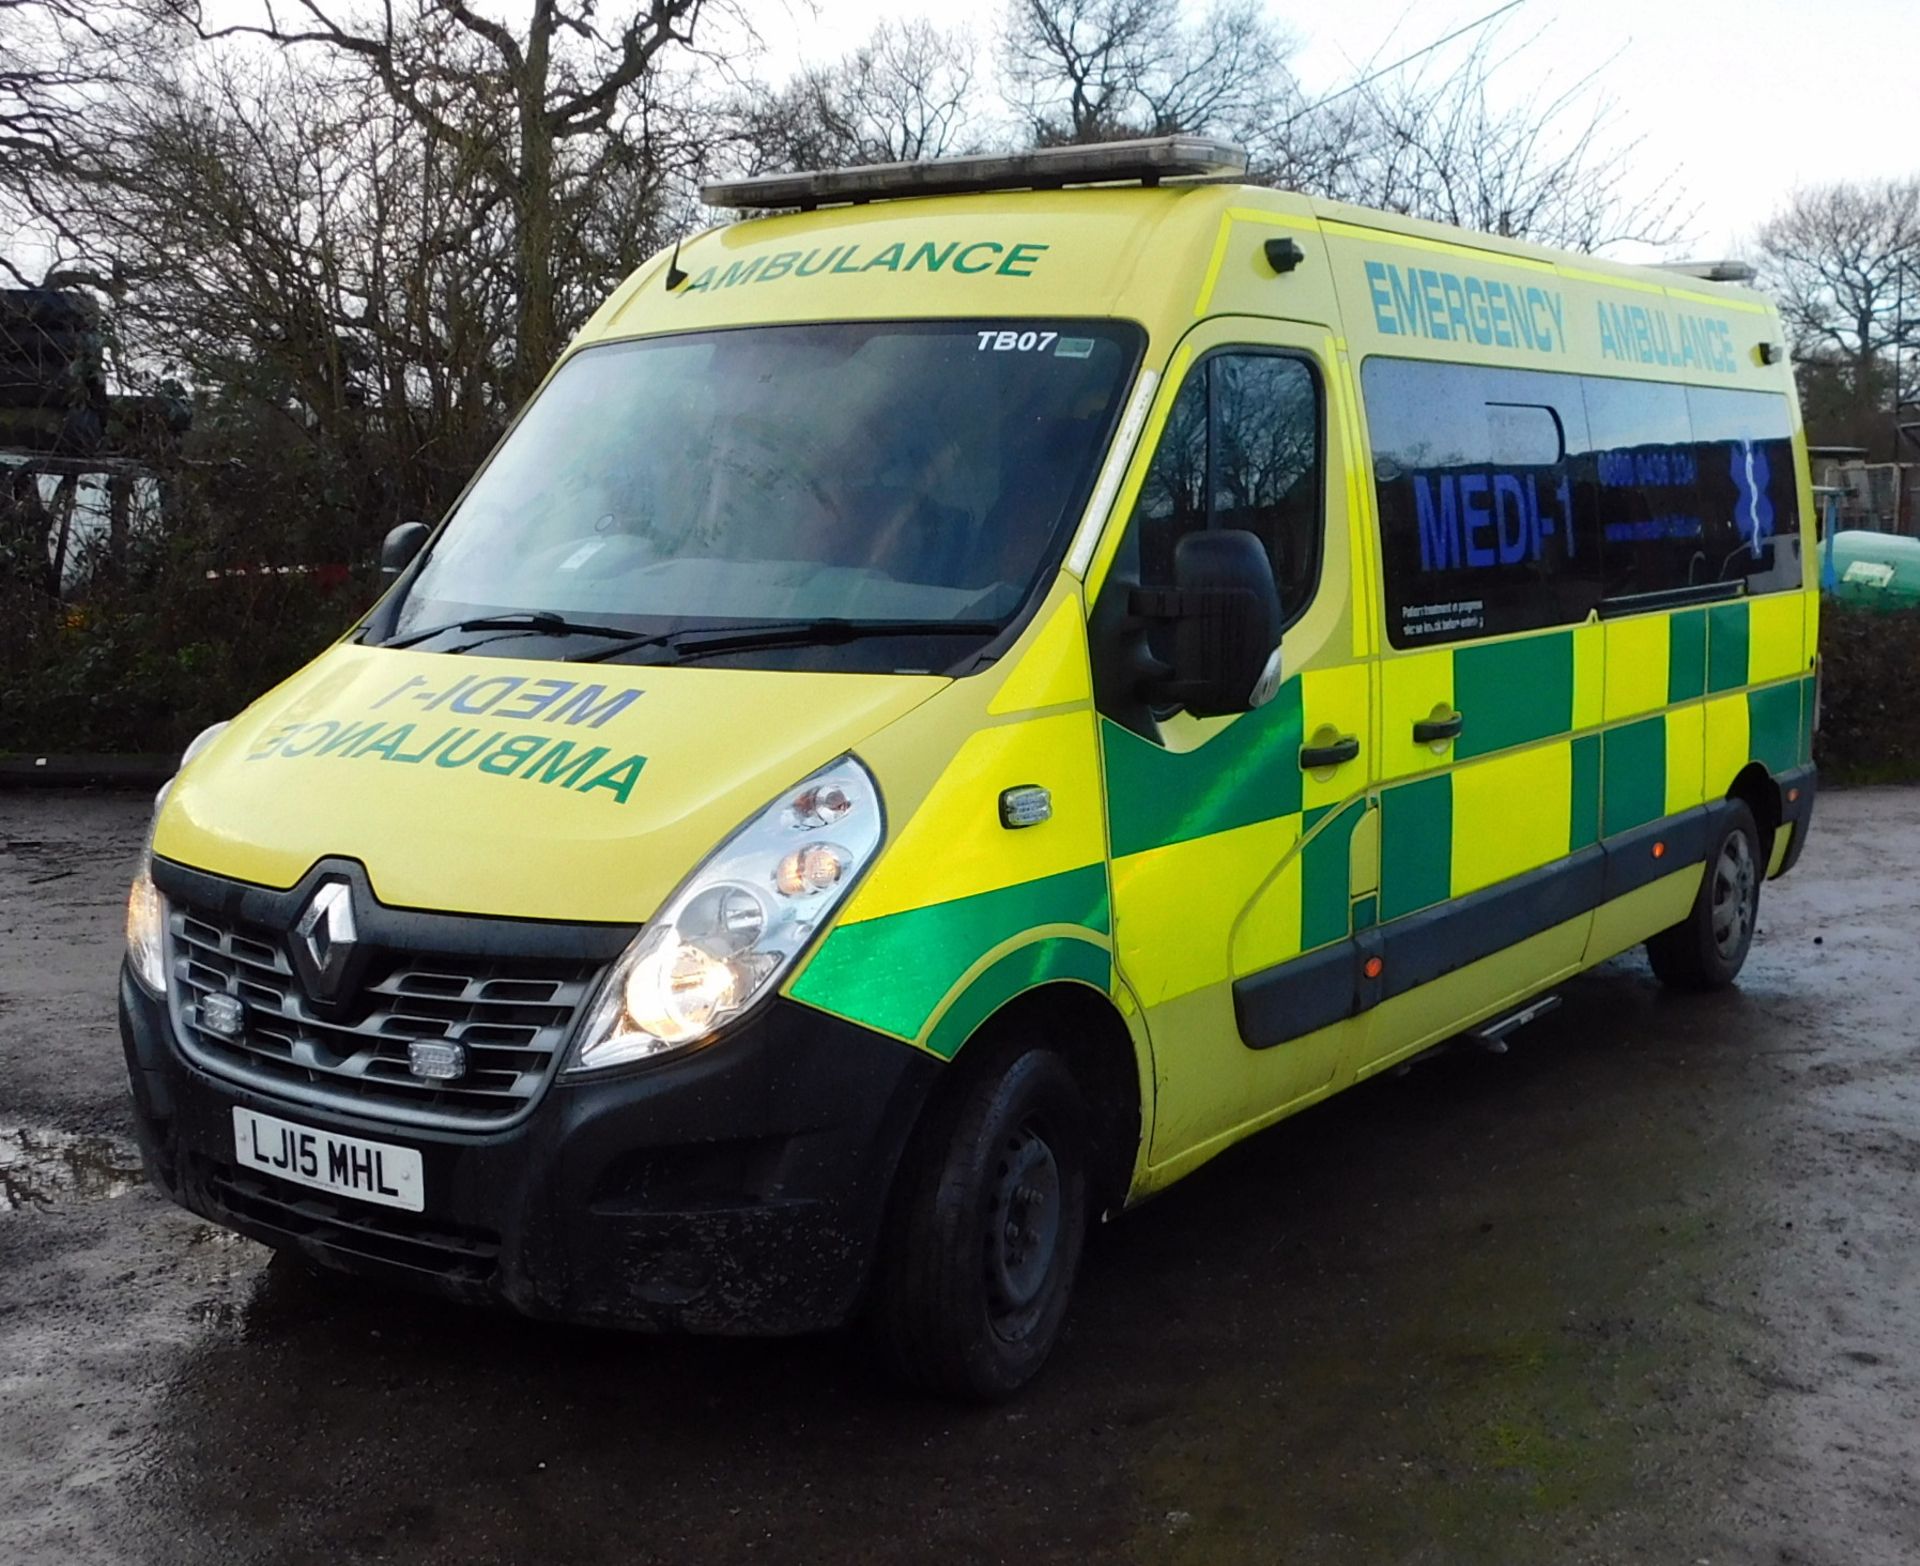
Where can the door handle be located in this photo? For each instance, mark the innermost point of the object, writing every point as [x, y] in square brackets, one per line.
[1338, 754]
[1431, 731]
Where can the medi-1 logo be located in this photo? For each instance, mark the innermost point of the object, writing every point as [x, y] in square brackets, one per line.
[530, 755]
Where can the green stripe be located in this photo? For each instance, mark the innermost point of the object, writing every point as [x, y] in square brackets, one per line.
[1726, 647]
[1248, 772]
[1326, 875]
[1686, 655]
[1773, 720]
[1633, 788]
[1366, 912]
[1513, 692]
[1045, 961]
[890, 973]
[1585, 823]
[1416, 845]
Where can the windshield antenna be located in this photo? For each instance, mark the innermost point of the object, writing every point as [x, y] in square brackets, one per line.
[675, 277]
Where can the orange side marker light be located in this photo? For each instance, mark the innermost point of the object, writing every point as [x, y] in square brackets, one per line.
[1374, 967]
[1659, 850]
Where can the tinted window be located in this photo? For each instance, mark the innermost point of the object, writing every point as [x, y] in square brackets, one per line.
[1643, 484]
[1476, 482]
[1241, 449]
[1749, 508]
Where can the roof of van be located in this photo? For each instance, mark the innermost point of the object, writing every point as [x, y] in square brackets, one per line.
[1168, 255]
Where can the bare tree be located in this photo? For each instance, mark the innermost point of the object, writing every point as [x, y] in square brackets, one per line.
[908, 92]
[538, 103]
[1844, 261]
[1437, 142]
[1097, 70]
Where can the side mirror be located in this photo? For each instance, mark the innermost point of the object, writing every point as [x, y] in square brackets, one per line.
[401, 545]
[1225, 612]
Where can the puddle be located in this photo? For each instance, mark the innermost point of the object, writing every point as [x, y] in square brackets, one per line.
[40, 1169]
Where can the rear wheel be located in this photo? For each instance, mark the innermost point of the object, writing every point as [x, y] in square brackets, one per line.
[986, 1230]
[1706, 949]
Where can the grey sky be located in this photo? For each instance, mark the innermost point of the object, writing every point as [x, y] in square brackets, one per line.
[1740, 100]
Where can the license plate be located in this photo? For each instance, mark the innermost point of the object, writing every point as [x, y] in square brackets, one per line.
[368, 1171]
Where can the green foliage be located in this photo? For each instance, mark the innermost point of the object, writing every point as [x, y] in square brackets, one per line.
[158, 648]
[1869, 719]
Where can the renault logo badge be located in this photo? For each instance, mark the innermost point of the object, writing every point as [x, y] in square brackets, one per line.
[324, 939]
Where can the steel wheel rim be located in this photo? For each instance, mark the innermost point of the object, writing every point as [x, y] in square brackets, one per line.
[1024, 1217]
[1736, 883]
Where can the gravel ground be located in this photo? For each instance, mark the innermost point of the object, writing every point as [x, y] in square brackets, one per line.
[1643, 1289]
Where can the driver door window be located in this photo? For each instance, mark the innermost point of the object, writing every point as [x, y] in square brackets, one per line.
[1241, 449]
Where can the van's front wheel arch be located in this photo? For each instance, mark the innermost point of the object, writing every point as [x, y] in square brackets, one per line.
[986, 1227]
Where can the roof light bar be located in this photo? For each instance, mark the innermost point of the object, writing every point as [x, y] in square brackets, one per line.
[1713, 271]
[1147, 161]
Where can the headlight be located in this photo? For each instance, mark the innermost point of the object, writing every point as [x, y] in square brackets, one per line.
[739, 922]
[146, 924]
[146, 909]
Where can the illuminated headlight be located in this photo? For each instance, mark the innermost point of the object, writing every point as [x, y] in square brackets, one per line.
[146, 909]
[724, 940]
[146, 925]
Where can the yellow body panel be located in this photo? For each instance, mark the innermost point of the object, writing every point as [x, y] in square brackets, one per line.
[474, 809]
[1636, 666]
[1491, 839]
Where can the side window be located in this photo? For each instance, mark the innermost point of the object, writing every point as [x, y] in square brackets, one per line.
[1692, 486]
[1749, 506]
[1476, 487]
[1644, 480]
[1241, 449]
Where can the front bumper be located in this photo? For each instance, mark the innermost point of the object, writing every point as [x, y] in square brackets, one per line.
[739, 1188]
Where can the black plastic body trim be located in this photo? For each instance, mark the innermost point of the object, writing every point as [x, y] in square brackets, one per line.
[1304, 994]
[379, 924]
[737, 1188]
[1797, 814]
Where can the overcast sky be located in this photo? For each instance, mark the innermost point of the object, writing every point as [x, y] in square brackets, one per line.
[1740, 100]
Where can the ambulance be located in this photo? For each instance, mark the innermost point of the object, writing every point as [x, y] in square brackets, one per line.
[970, 689]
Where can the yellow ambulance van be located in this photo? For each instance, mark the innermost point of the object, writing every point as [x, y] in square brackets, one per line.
[961, 697]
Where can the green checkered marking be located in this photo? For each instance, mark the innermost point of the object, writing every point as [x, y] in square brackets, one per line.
[1513, 692]
[1726, 647]
[1326, 873]
[1416, 845]
[1248, 772]
[1584, 825]
[1633, 788]
[1686, 655]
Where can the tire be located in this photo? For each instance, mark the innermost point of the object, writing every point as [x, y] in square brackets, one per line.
[1705, 950]
[984, 1236]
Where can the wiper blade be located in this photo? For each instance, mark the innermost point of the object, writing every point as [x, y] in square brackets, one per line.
[534, 620]
[696, 641]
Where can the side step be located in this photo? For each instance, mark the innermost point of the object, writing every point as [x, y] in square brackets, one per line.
[1490, 1036]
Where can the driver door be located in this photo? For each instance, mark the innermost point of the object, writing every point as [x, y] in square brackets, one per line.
[1244, 849]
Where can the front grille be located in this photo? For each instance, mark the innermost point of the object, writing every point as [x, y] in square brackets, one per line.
[401, 1239]
[512, 1016]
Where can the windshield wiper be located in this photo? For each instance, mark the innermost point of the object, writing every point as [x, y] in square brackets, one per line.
[533, 620]
[784, 633]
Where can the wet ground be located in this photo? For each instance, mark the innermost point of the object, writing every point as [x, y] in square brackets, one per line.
[1646, 1288]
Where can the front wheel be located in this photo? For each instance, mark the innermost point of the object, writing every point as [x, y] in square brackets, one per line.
[985, 1233]
[1706, 949]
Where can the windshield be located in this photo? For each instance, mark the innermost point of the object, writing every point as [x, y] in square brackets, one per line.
[920, 475]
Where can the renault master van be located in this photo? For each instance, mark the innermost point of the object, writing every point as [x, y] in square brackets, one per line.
[964, 695]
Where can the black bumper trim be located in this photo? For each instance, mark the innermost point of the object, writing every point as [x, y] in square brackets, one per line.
[739, 1188]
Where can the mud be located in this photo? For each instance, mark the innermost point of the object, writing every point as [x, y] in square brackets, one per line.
[1645, 1288]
